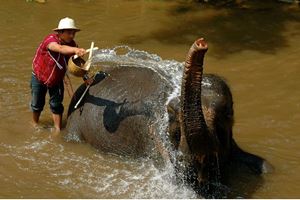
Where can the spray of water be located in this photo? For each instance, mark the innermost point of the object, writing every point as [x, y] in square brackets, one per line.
[169, 70]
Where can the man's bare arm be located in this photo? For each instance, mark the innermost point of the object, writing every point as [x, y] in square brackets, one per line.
[67, 50]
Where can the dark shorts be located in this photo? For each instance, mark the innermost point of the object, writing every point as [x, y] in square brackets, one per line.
[38, 94]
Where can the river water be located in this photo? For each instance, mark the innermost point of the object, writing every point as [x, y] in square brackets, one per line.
[254, 46]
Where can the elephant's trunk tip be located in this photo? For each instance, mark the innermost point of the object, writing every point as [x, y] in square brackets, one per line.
[201, 44]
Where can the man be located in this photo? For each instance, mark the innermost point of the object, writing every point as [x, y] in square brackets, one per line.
[49, 68]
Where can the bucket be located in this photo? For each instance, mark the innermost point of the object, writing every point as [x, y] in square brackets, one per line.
[75, 66]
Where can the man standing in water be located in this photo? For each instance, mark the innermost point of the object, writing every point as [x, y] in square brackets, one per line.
[49, 68]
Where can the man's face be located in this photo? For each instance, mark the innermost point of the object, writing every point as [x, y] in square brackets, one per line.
[67, 35]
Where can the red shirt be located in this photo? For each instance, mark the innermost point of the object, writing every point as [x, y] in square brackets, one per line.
[49, 66]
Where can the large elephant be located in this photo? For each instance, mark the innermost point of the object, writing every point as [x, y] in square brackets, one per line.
[123, 109]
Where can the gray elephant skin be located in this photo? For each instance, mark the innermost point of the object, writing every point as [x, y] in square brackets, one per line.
[121, 113]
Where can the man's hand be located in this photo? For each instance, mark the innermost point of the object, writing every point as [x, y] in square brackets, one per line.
[80, 52]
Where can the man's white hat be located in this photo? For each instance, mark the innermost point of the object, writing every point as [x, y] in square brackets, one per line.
[66, 23]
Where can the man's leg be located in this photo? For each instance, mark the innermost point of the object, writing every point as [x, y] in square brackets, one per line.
[38, 93]
[57, 119]
[35, 118]
[56, 97]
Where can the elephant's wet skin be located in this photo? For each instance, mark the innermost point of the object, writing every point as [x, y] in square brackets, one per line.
[98, 77]
[114, 113]
[205, 124]
[204, 172]
[120, 114]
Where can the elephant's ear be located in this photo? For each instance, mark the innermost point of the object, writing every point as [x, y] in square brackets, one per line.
[257, 164]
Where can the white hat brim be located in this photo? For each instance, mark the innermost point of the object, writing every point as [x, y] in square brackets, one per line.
[59, 29]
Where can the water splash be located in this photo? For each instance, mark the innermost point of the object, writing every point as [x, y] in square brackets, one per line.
[171, 72]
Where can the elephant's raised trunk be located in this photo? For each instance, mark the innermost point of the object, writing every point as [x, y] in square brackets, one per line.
[193, 123]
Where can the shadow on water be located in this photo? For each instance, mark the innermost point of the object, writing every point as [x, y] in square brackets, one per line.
[230, 28]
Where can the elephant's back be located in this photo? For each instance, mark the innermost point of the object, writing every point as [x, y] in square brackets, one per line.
[133, 83]
[117, 112]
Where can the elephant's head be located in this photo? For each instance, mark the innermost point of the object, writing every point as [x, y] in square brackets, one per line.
[197, 143]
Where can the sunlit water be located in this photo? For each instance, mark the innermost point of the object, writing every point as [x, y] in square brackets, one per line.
[255, 48]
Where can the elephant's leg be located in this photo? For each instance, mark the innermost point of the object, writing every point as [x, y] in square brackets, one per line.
[254, 162]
